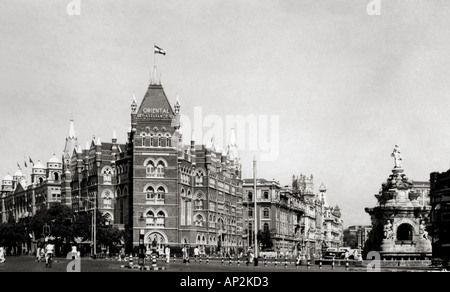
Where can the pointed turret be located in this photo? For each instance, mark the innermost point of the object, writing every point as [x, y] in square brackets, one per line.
[233, 152]
[114, 136]
[154, 80]
[211, 145]
[134, 104]
[71, 141]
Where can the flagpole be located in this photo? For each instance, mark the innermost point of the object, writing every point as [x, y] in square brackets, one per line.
[255, 213]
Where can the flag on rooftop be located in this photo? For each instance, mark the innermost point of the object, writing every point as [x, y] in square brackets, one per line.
[158, 50]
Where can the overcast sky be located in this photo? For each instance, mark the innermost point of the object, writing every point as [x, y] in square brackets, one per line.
[340, 86]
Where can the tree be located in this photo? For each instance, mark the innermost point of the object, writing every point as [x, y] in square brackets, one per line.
[265, 239]
[58, 219]
[110, 237]
[12, 235]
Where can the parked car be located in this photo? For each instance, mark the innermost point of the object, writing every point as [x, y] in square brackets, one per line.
[330, 254]
[270, 254]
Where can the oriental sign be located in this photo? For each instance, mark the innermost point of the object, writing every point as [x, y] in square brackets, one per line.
[149, 112]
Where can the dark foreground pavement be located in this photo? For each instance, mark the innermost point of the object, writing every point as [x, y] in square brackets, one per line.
[28, 264]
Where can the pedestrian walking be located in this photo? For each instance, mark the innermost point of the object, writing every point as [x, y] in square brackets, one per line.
[167, 252]
[196, 252]
[2, 254]
[185, 252]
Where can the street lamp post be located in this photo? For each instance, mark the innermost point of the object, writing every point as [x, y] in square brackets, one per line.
[256, 212]
[94, 226]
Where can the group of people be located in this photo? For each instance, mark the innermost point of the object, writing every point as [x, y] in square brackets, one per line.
[45, 252]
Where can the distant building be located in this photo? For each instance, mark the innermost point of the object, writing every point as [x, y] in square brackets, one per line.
[278, 211]
[360, 234]
[299, 221]
[439, 224]
[20, 199]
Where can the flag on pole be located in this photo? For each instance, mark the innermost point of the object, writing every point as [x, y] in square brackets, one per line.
[158, 50]
[25, 163]
[31, 161]
[18, 165]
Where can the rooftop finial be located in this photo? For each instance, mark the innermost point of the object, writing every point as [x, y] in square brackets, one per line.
[154, 78]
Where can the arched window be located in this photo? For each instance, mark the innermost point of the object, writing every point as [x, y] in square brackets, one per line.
[266, 195]
[150, 169]
[160, 219]
[168, 140]
[266, 227]
[143, 139]
[150, 219]
[160, 169]
[160, 193]
[106, 175]
[55, 176]
[159, 140]
[266, 213]
[150, 191]
[250, 196]
[405, 232]
[198, 220]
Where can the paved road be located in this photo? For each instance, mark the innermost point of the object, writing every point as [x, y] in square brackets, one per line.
[28, 264]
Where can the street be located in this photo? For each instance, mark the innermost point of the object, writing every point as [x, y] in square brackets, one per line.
[27, 263]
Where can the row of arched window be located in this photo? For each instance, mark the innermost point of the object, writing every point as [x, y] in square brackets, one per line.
[153, 220]
[158, 140]
[155, 170]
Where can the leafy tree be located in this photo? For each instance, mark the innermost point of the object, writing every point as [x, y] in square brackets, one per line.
[58, 219]
[110, 237]
[12, 234]
[265, 239]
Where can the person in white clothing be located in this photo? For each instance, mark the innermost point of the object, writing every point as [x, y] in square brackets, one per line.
[2, 254]
[196, 253]
[167, 252]
[49, 252]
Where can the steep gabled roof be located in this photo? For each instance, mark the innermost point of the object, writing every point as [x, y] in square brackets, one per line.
[155, 104]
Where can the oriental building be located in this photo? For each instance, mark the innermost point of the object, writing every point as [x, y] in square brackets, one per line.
[175, 194]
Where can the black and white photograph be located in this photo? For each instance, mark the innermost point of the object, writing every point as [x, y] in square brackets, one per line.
[224, 143]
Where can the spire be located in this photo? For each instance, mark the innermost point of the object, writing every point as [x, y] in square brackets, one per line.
[98, 143]
[114, 136]
[88, 145]
[71, 130]
[232, 146]
[79, 150]
[210, 144]
[154, 80]
[177, 106]
[233, 137]
[134, 103]
[71, 140]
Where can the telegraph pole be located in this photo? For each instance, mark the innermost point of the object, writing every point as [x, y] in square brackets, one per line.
[256, 213]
